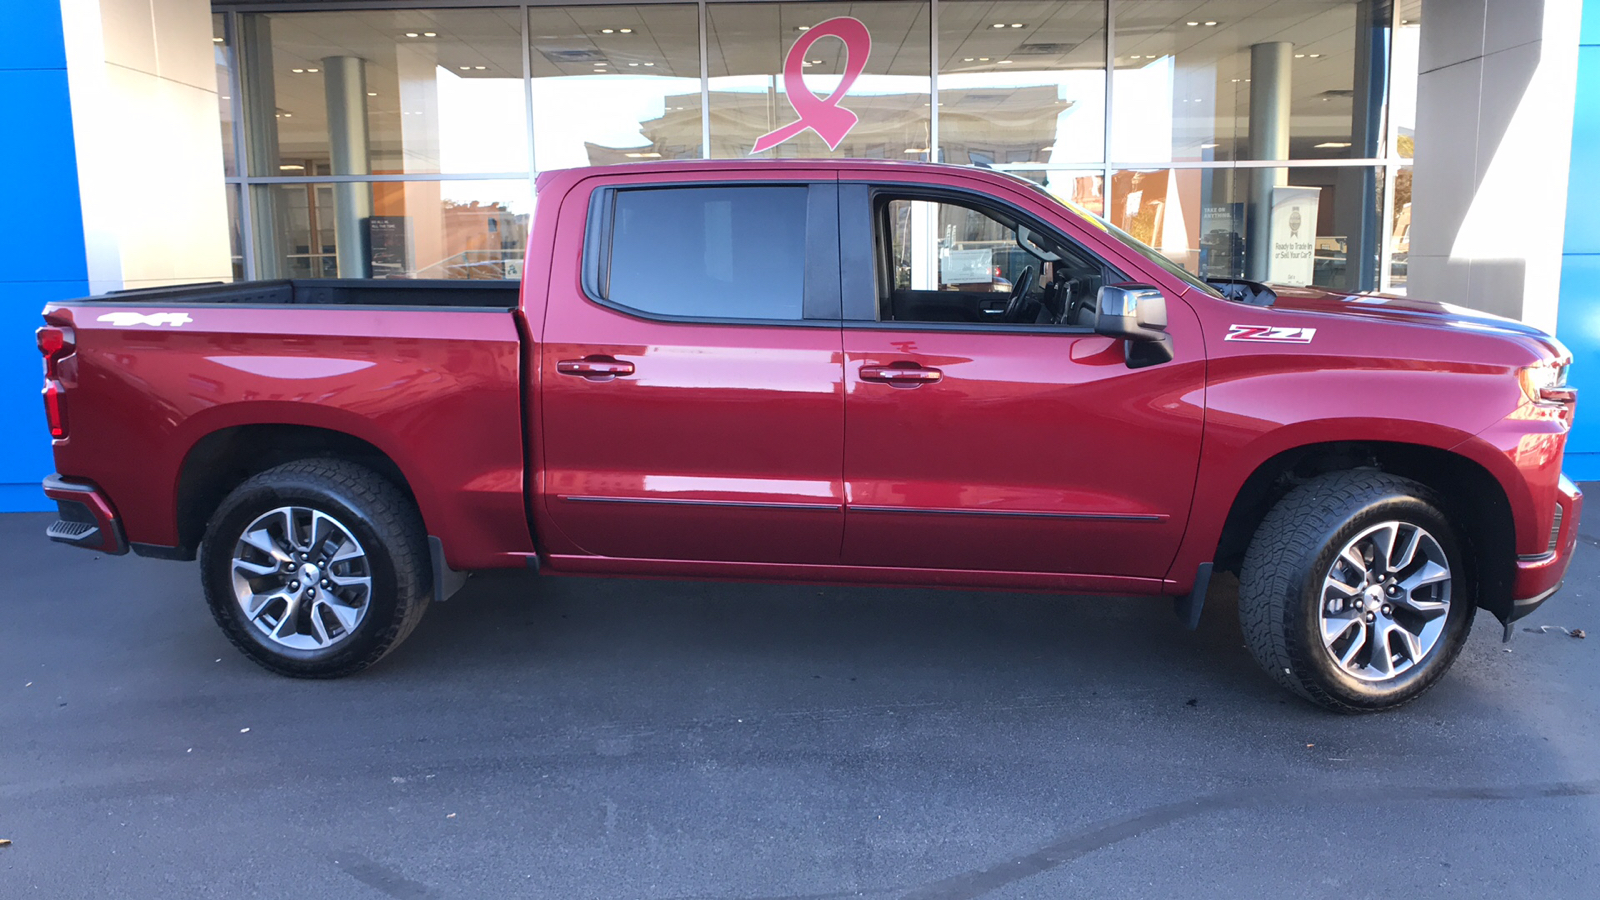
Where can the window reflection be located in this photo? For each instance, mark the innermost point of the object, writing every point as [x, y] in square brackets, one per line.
[418, 229]
[1309, 226]
[746, 47]
[1022, 82]
[615, 84]
[384, 92]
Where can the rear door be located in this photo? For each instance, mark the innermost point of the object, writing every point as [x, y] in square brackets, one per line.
[692, 374]
[988, 434]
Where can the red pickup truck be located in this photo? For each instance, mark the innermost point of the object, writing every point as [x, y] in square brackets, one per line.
[841, 371]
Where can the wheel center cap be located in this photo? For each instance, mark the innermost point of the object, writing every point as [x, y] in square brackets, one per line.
[309, 573]
[1374, 598]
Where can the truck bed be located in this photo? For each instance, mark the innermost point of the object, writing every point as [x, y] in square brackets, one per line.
[397, 293]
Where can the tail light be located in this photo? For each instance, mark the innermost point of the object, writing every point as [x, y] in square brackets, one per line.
[56, 343]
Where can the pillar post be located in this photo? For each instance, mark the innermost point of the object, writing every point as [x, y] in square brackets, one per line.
[1269, 139]
[344, 80]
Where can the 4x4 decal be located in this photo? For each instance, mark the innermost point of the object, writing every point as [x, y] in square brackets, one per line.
[1268, 334]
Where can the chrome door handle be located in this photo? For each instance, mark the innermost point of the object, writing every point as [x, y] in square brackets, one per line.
[901, 376]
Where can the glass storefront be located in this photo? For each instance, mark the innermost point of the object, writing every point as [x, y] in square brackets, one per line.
[402, 143]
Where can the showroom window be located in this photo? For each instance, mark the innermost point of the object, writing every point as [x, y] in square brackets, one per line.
[402, 142]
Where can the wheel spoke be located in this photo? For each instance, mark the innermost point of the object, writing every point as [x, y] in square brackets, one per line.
[262, 540]
[255, 605]
[1352, 555]
[347, 615]
[348, 549]
[1410, 551]
[1360, 640]
[286, 625]
[319, 629]
[1335, 627]
[1430, 573]
[1409, 644]
[1383, 541]
[256, 570]
[1382, 659]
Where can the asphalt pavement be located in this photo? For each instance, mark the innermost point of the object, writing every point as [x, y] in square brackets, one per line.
[610, 738]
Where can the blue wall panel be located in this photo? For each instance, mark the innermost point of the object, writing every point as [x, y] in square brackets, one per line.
[1578, 324]
[41, 237]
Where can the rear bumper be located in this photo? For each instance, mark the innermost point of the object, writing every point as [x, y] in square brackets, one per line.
[85, 517]
[1539, 577]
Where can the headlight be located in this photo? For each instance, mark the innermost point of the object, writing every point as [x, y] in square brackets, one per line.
[1546, 383]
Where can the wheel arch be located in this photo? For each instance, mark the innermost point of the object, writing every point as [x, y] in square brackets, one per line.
[222, 459]
[1474, 499]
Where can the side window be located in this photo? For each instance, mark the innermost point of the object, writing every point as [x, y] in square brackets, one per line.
[951, 261]
[709, 252]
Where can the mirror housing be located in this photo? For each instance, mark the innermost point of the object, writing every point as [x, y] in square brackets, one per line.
[1136, 313]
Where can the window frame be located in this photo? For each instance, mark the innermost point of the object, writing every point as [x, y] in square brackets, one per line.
[874, 196]
[820, 305]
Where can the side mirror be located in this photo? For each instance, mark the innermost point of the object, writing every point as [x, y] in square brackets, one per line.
[1136, 313]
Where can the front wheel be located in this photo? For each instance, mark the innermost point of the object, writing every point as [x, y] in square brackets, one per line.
[1354, 593]
[316, 569]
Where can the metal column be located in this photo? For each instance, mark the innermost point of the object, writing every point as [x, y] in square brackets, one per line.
[1269, 139]
[344, 79]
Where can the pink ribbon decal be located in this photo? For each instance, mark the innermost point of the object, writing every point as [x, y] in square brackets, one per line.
[825, 116]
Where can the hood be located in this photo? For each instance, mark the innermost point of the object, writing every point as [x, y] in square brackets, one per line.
[1407, 310]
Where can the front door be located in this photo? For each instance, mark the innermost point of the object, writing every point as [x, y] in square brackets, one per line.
[692, 384]
[988, 427]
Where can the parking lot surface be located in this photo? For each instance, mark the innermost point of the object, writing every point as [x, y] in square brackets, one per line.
[599, 738]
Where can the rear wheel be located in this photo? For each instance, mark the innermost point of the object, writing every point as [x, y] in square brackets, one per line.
[316, 568]
[1354, 593]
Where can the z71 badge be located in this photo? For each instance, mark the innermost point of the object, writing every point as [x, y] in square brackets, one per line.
[129, 319]
[1267, 334]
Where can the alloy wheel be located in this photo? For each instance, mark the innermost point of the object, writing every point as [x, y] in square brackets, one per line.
[1385, 600]
[301, 578]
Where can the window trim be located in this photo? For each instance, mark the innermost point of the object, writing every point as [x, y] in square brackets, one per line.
[852, 194]
[820, 305]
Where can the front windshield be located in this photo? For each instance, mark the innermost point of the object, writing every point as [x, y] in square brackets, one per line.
[1130, 241]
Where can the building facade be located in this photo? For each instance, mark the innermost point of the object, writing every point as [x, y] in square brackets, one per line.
[176, 140]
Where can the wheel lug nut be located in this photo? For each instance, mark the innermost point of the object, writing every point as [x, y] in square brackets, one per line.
[324, 582]
[1371, 617]
[294, 585]
[1387, 609]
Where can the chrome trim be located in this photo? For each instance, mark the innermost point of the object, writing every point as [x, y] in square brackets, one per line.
[1016, 514]
[727, 504]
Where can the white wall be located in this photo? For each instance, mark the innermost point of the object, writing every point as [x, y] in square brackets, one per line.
[1495, 95]
[149, 141]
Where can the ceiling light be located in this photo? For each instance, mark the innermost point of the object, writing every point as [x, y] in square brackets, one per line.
[313, 70]
[1333, 145]
[1405, 21]
[1208, 146]
[644, 156]
[1003, 62]
[805, 64]
[816, 62]
[1234, 80]
[480, 68]
[633, 64]
[997, 25]
[292, 168]
[430, 34]
[1193, 24]
[1211, 24]
[1299, 56]
[968, 59]
[648, 64]
[288, 115]
[298, 71]
[983, 59]
[411, 34]
[625, 30]
[803, 28]
[1315, 55]
[372, 93]
[216, 40]
[1016, 24]
[916, 150]
[607, 30]
[465, 68]
[1049, 149]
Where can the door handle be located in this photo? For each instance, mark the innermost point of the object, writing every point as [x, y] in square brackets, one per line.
[598, 368]
[901, 376]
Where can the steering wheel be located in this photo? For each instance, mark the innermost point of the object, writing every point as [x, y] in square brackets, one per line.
[1019, 296]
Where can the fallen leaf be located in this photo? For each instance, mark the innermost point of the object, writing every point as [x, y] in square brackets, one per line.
[4, 842]
[244, 730]
[1311, 745]
[1578, 633]
[451, 816]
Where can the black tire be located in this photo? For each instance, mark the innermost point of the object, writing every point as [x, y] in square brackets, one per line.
[371, 509]
[1281, 586]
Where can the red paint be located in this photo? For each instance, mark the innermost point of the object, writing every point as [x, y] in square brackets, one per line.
[886, 455]
[825, 116]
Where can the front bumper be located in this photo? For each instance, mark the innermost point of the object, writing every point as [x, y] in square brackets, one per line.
[1539, 577]
[85, 517]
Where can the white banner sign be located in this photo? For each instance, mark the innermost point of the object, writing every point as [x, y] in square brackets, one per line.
[1294, 235]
